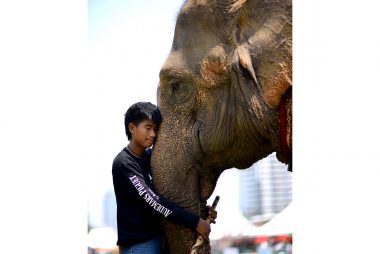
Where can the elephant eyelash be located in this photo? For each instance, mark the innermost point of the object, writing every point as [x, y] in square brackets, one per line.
[174, 85]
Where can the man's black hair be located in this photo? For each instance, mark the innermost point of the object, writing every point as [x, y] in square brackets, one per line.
[139, 112]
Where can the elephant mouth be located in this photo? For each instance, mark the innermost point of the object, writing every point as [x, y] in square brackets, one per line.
[197, 156]
[196, 150]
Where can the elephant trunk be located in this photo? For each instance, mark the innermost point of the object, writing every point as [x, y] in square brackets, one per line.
[175, 175]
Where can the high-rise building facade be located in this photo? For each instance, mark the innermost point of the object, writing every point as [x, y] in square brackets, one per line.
[265, 189]
[110, 210]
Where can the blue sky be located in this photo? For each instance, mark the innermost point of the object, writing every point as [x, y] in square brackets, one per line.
[104, 14]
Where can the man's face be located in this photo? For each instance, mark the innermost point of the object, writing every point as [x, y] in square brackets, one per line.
[144, 134]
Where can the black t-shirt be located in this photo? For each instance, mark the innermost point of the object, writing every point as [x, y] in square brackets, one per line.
[140, 209]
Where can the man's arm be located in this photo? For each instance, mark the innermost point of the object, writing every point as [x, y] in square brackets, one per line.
[134, 183]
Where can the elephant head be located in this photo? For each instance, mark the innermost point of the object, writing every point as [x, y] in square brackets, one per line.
[221, 92]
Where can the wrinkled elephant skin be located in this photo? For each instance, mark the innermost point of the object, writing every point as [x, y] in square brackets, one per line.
[220, 92]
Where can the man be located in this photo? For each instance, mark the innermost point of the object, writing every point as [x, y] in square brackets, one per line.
[140, 209]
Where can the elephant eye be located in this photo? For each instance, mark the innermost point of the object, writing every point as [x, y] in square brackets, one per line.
[178, 91]
[174, 85]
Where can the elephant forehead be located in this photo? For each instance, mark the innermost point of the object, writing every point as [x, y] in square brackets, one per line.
[178, 63]
[196, 26]
[188, 62]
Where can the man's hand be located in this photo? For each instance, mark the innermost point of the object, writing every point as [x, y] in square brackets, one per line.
[203, 228]
[212, 214]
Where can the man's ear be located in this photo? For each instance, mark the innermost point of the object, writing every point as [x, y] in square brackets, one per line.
[131, 128]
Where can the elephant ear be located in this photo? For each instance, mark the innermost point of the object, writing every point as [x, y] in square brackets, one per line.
[260, 35]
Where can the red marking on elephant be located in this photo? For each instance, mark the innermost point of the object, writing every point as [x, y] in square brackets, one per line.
[283, 128]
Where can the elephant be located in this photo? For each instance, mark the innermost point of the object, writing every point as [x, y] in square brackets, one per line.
[225, 94]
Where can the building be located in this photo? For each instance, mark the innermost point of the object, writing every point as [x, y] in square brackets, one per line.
[110, 210]
[265, 189]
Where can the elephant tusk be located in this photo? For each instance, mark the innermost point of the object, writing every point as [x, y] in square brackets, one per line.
[200, 240]
[246, 62]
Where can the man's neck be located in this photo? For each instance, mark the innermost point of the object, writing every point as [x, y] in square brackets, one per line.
[136, 150]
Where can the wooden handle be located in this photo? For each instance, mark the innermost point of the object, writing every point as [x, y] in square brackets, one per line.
[215, 203]
[199, 241]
